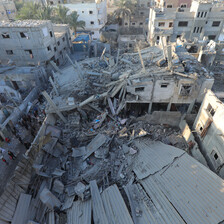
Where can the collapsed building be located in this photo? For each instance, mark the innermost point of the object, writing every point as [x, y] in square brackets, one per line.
[96, 159]
[36, 41]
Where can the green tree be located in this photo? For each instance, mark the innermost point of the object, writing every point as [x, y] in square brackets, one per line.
[125, 9]
[60, 14]
[73, 22]
[28, 11]
[45, 13]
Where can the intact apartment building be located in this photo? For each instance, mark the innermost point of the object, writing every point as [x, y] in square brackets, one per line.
[34, 42]
[93, 12]
[203, 18]
[7, 10]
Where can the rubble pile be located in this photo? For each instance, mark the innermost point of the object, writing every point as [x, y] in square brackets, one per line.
[93, 146]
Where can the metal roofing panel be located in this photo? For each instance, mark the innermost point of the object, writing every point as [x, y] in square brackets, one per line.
[196, 192]
[99, 215]
[139, 200]
[183, 189]
[153, 156]
[115, 207]
[159, 199]
[20, 216]
[80, 213]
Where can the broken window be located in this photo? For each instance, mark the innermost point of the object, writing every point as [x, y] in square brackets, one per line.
[139, 89]
[182, 23]
[169, 6]
[198, 14]
[198, 29]
[140, 24]
[205, 14]
[24, 35]
[164, 85]
[211, 37]
[216, 23]
[216, 156]
[90, 12]
[29, 52]
[170, 24]
[183, 5]
[202, 14]
[5, 35]
[9, 52]
[55, 49]
[49, 48]
[58, 43]
[194, 29]
[185, 90]
[51, 34]
[133, 24]
[210, 110]
[92, 22]
[161, 24]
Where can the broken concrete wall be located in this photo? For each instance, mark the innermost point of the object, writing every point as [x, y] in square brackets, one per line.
[162, 117]
[17, 113]
[193, 146]
[209, 128]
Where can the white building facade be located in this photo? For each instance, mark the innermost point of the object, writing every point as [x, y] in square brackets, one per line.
[94, 13]
[201, 19]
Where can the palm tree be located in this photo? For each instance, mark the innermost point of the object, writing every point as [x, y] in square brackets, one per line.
[28, 11]
[61, 14]
[125, 8]
[45, 13]
[73, 22]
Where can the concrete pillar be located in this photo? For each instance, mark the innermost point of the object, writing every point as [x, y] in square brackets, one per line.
[150, 108]
[169, 57]
[169, 106]
[190, 107]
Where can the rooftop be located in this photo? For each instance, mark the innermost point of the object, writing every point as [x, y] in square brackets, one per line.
[23, 23]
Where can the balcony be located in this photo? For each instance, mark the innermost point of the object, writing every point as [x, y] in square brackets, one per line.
[165, 31]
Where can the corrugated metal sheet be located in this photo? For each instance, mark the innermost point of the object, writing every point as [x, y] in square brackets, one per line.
[99, 215]
[159, 155]
[195, 191]
[16, 185]
[150, 211]
[115, 207]
[80, 213]
[184, 189]
[159, 199]
[21, 213]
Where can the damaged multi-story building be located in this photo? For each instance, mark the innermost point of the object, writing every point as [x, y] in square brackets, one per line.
[203, 18]
[208, 127]
[36, 42]
[91, 162]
